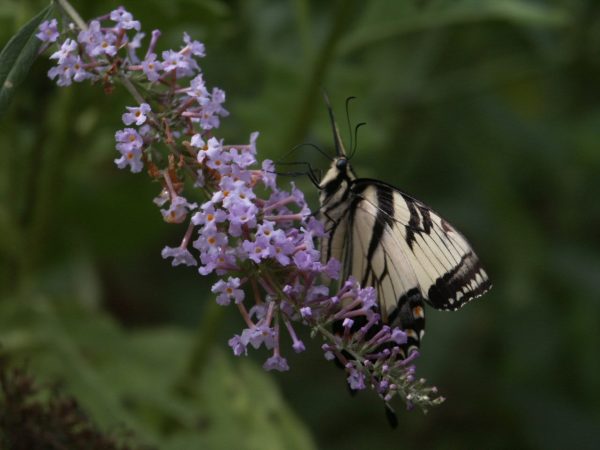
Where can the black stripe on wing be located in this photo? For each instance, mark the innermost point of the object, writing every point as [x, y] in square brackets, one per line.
[458, 286]
[385, 212]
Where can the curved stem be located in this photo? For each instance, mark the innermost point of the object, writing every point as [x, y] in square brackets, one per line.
[342, 15]
[207, 330]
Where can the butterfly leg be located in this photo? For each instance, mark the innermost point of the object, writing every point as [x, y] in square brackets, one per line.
[310, 171]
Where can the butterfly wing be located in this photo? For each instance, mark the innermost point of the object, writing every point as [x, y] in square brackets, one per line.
[419, 242]
[376, 257]
[402, 248]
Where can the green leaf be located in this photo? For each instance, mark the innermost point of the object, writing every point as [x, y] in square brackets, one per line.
[126, 380]
[383, 20]
[18, 56]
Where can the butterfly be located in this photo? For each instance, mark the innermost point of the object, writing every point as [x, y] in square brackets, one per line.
[398, 245]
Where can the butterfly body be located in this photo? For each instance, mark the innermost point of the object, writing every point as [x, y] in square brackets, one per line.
[396, 244]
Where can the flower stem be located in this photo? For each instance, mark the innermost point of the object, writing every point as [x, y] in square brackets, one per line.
[72, 13]
[208, 328]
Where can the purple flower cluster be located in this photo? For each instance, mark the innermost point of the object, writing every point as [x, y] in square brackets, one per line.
[106, 51]
[259, 239]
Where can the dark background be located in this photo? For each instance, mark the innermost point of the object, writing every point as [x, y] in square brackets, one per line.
[486, 110]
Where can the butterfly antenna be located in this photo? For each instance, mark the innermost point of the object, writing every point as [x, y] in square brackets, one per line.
[348, 100]
[316, 147]
[356, 138]
[339, 146]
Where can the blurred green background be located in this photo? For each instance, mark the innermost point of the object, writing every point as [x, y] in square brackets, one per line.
[489, 111]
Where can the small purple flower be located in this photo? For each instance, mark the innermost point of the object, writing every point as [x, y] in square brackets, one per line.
[133, 45]
[194, 47]
[347, 323]
[237, 346]
[368, 297]
[92, 37]
[132, 157]
[172, 60]
[332, 269]
[298, 346]
[210, 242]
[327, 352]
[210, 149]
[241, 174]
[151, 67]
[303, 260]
[70, 69]
[219, 161]
[257, 250]
[306, 312]
[298, 195]
[182, 62]
[198, 90]
[177, 211]
[241, 214]
[128, 139]
[79, 72]
[266, 229]
[48, 31]
[356, 379]
[161, 198]
[253, 138]
[179, 255]
[226, 261]
[315, 227]
[398, 336]
[260, 335]
[276, 362]
[96, 41]
[213, 109]
[136, 114]
[208, 260]
[235, 193]
[281, 249]
[67, 50]
[258, 312]
[106, 46]
[129, 144]
[124, 19]
[317, 292]
[268, 174]
[228, 290]
[209, 216]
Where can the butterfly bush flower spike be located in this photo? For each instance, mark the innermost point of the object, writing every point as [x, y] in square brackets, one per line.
[258, 239]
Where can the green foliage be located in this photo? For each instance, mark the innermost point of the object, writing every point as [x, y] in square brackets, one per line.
[17, 56]
[127, 380]
[486, 110]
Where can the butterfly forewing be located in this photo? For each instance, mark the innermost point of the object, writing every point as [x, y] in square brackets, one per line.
[449, 273]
